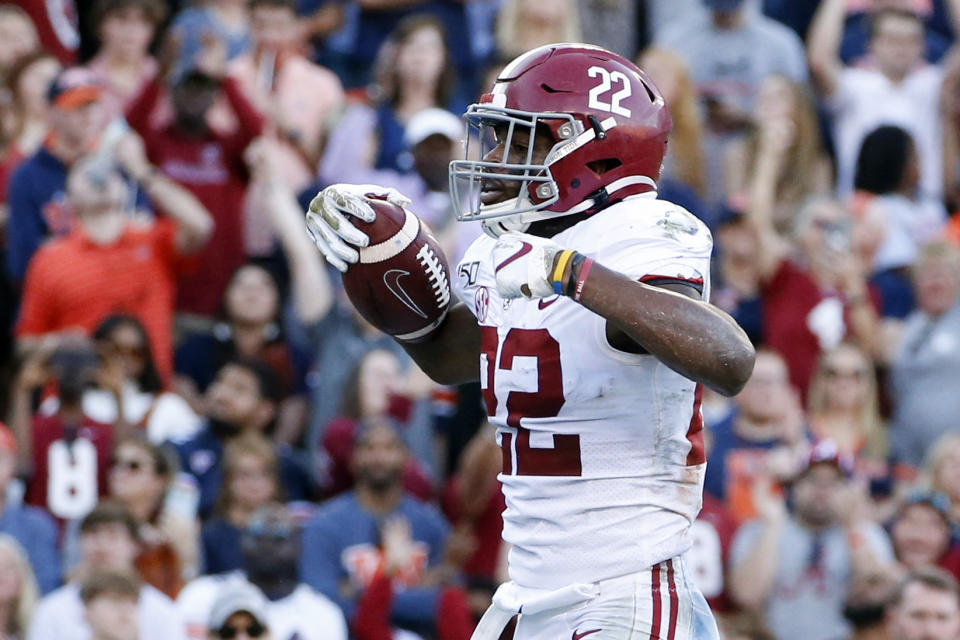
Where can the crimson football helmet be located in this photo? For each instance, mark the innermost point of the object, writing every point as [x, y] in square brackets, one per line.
[608, 124]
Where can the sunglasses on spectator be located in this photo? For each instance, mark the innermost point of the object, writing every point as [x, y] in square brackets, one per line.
[127, 464]
[254, 630]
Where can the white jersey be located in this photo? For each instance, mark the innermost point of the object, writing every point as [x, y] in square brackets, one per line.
[603, 453]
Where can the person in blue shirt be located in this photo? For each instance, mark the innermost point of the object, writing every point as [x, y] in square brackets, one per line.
[36, 193]
[378, 528]
[32, 527]
[242, 398]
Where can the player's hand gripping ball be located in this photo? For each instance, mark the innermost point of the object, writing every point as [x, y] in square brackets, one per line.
[394, 272]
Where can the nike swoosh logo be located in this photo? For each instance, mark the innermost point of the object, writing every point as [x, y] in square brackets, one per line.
[525, 248]
[543, 303]
[577, 636]
[392, 281]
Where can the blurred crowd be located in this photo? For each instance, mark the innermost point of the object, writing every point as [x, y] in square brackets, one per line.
[202, 439]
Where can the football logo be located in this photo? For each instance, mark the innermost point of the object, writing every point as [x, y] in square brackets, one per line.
[392, 281]
[481, 303]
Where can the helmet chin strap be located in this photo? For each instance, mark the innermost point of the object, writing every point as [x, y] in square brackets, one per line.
[495, 227]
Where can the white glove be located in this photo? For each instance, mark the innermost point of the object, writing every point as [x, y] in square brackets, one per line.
[329, 226]
[523, 265]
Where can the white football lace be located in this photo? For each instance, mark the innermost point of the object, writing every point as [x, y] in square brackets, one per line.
[437, 275]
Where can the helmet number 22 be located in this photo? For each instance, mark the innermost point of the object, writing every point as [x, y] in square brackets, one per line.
[607, 80]
[527, 364]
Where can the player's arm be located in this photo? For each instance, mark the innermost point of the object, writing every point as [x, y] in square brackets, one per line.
[692, 337]
[451, 353]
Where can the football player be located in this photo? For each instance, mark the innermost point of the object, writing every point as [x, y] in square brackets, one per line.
[584, 316]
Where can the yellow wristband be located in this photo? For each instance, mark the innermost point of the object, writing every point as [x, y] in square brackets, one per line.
[562, 262]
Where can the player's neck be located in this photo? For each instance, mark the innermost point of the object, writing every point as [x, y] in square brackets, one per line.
[380, 502]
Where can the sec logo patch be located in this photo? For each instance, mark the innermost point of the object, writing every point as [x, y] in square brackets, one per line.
[481, 303]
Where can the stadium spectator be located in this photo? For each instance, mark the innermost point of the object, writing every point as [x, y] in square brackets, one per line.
[343, 544]
[224, 22]
[611, 24]
[813, 300]
[942, 469]
[892, 221]
[158, 414]
[843, 405]
[110, 602]
[797, 567]
[29, 119]
[527, 24]
[125, 30]
[925, 606]
[737, 288]
[299, 98]
[921, 530]
[251, 319]
[18, 36]
[36, 193]
[18, 589]
[768, 416]
[925, 356]
[271, 549]
[242, 399]
[413, 73]
[140, 476]
[108, 542]
[377, 393]
[684, 164]
[31, 528]
[866, 603]
[64, 451]
[896, 90]
[855, 45]
[109, 262]
[250, 482]
[430, 137]
[205, 161]
[780, 161]
[238, 612]
[730, 50]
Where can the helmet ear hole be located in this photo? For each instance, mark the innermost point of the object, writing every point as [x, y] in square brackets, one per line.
[600, 167]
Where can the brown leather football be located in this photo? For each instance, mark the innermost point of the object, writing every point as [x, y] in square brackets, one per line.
[401, 284]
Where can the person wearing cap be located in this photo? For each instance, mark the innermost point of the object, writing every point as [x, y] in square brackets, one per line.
[109, 542]
[109, 261]
[239, 612]
[795, 567]
[207, 162]
[430, 139]
[292, 609]
[36, 193]
[31, 526]
[730, 49]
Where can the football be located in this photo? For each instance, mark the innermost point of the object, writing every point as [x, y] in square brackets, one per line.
[401, 284]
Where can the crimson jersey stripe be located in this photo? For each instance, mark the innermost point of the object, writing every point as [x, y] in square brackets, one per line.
[655, 623]
[697, 453]
[672, 627]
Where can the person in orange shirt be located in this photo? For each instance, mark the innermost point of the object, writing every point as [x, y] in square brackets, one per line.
[112, 262]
